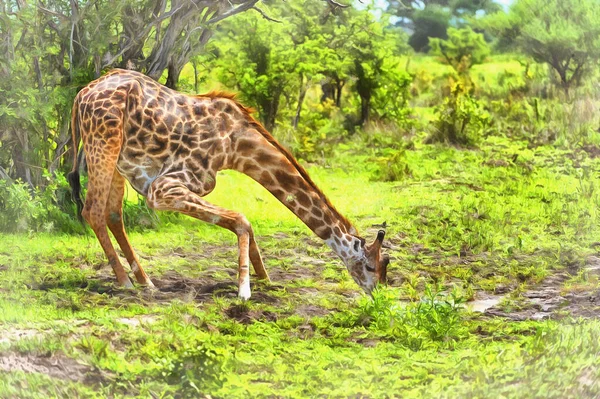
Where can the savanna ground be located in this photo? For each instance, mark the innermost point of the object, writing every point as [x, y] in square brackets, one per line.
[505, 226]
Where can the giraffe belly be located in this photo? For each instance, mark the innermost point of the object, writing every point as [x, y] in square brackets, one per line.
[141, 175]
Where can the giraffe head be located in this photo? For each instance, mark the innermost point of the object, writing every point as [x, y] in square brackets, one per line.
[367, 265]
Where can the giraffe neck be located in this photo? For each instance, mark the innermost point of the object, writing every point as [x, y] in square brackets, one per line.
[261, 157]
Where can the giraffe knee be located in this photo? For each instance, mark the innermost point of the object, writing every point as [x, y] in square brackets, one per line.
[242, 226]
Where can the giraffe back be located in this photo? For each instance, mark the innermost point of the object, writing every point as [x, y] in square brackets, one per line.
[163, 131]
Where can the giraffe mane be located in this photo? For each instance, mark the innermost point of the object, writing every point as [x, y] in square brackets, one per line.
[230, 96]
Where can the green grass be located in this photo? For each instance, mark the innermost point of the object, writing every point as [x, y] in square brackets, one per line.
[461, 222]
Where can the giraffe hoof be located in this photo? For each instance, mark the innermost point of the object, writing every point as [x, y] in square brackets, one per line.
[244, 293]
[150, 285]
[126, 283]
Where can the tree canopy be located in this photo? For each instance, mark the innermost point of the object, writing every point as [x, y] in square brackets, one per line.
[563, 34]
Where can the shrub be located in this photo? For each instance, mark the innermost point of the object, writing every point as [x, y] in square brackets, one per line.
[18, 210]
[52, 210]
[463, 49]
[322, 125]
[48, 209]
[461, 119]
[392, 167]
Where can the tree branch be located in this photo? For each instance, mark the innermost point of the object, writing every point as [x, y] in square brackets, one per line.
[244, 7]
[265, 16]
[336, 4]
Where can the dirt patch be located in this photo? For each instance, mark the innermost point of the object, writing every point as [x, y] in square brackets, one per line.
[310, 311]
[592, 150]
[548, 299]
[245, 315]
[56, 366]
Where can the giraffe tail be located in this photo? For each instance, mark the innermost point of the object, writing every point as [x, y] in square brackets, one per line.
[73, 176]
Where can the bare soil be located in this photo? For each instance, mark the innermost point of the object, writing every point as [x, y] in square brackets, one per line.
[56, 366]
[549, 299]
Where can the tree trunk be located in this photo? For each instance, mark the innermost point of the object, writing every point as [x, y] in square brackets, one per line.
[195, 66]
[301, 95]
[328, 90]
[338, 98]
[173, 72]
[270, 108]
[365, 108]
[22, 169]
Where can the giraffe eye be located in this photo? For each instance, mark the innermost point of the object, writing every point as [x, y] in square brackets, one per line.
[370, 269]
[356, 245]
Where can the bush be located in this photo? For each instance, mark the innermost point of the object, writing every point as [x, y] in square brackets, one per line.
[554, 122]
[48, 209]
[392, 167]
[461, 119]
[322, 125]
[52, 210]
[390, 99]
[463, 49]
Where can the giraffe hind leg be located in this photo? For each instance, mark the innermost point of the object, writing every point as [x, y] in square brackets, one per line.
[101, 157]
[114, 220]
[257, 262]
[169, 193]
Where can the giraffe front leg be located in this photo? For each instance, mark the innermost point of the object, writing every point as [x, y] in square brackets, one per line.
[243, 268]
[169, 193]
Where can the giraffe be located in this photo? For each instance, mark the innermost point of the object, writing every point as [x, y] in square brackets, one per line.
[170, 146]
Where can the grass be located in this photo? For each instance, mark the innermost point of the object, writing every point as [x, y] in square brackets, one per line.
[461, 222]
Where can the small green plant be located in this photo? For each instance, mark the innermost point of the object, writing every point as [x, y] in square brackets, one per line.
[461, 119]
[392, 167]
[439, 313]
[434, 320]
[48, 209]
[196, 368]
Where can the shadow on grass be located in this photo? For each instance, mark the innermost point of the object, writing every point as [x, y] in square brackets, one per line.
[169, 286]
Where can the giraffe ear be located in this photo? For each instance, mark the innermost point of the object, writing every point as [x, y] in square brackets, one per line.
[380, 236]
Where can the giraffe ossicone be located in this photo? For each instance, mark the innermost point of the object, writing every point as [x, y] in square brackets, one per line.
[170, 146]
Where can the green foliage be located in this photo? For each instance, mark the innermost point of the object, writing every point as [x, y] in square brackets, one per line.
[321, 129]
[137, 215]
[17, 210]
[563, 34]
[392, 167]
[544, 121]
[50, 209]
[431, 22]
[463, 49]
[434, 321]
[461, 120]
[196, 368]
[391, 99]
